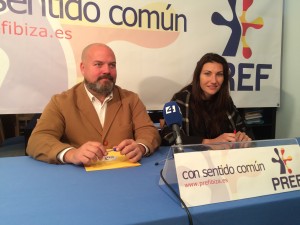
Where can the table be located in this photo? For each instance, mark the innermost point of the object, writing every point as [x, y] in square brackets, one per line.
[37, 193]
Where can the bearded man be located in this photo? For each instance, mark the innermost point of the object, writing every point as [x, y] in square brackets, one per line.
[80, 124]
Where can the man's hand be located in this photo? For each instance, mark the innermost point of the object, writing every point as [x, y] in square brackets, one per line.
[86, 154]
[132, 150]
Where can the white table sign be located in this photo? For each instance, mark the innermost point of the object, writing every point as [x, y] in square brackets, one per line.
[225, 175]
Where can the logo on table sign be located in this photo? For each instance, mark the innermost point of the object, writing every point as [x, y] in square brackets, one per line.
[282, 160]
[239, 27]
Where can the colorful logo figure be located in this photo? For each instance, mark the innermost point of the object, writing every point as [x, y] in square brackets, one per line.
[282, 161]
[239, 27]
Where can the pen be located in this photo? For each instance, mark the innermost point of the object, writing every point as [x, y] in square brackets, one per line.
[111, 150]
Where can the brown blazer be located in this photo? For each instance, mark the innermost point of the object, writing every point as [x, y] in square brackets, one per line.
[70, 120]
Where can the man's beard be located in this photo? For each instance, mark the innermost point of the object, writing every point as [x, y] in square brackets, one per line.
[102, 89]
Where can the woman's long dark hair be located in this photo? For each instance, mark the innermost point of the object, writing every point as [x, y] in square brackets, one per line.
[212, 114]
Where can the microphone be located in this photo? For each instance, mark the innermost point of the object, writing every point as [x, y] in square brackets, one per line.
[173, 118]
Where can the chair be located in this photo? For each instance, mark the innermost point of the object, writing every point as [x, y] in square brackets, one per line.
[29, 128]
[1, 132]
[22, 121]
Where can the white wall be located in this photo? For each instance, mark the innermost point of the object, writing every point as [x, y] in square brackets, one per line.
[288, 115]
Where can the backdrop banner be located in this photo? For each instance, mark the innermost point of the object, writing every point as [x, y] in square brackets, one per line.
[157, 45]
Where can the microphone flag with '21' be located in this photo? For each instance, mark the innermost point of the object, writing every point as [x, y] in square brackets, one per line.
[173, 119]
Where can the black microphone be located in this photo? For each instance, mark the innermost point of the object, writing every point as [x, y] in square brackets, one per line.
[173, 119]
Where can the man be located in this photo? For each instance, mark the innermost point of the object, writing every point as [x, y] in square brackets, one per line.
[80, 124]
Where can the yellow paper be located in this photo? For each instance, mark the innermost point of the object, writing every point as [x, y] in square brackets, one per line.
[113, 160]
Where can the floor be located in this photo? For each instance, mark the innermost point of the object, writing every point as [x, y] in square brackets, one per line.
[13, 147]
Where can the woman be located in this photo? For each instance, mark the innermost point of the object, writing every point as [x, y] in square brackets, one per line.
[209, 114]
